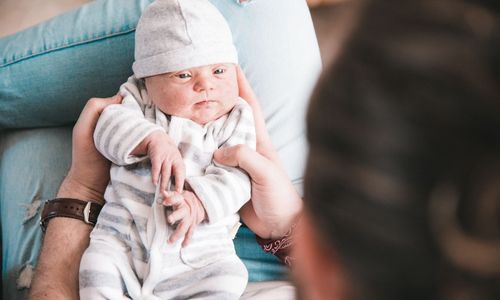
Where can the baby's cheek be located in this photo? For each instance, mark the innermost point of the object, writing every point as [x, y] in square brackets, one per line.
[174, 104]
[230, 91]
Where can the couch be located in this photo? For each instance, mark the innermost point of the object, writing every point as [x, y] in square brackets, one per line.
[49, 71]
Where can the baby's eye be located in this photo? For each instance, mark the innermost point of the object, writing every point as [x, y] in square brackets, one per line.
[219, 71]
[183, 75]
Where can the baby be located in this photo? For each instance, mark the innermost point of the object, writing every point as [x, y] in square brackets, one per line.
[180, 106]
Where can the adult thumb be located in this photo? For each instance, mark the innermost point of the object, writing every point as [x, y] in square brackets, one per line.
[256, 165]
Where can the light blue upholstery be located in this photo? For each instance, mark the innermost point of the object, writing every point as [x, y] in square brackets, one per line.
[49, 71]
[32, 165]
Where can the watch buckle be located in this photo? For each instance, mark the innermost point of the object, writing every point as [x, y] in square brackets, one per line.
[86, 213]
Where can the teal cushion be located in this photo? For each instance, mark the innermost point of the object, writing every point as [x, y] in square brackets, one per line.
[49, 71]
[32, 165]
[261, 266]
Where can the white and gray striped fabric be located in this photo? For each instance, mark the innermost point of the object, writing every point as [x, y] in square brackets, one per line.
[128, 256]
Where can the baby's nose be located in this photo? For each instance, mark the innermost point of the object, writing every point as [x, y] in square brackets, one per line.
[204, 83]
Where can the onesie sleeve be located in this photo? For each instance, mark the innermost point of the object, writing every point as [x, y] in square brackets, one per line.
[223, 190]
[121, 127]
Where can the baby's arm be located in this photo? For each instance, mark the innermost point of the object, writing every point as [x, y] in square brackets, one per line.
[124, 136]
[122, 127]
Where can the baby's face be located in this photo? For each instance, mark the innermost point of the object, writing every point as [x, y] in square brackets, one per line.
[202, 94]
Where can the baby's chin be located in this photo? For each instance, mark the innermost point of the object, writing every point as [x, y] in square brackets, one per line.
[206, 118]
[206, 112]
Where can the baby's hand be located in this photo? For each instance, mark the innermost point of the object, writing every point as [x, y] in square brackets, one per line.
[188, 212]
[166, 160]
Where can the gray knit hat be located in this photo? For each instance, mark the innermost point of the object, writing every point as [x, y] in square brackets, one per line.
[173, 35]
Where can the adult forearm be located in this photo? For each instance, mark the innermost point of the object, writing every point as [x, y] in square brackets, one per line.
[275, 203]
[64, 242]
[56, 275]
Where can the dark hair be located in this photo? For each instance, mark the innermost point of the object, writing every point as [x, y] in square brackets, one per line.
[403, 174]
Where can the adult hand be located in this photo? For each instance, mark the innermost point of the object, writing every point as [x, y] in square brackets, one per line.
[89, 173]
[275, 203]
[56, 275]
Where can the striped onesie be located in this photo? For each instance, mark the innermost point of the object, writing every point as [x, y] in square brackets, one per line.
[128, 256]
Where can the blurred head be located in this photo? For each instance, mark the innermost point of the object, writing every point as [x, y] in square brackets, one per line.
[402, 191]
[201, 94]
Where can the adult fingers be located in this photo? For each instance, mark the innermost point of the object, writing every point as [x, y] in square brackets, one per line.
[87, 164]
[91, 112]
[179, 172]
[172, 199]
[255, 164]
[264, 144]
[245, 90]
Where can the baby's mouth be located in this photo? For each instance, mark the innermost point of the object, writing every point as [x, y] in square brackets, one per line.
[205, 102]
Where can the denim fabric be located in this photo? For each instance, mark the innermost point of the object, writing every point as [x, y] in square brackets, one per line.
[49, 71]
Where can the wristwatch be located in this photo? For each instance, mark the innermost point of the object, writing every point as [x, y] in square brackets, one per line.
[70, 208]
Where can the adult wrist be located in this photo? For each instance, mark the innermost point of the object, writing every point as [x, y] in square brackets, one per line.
[74, 200]
[282, 229]
[85, 211]
[287, 220]
[280, 247]
[73, 188]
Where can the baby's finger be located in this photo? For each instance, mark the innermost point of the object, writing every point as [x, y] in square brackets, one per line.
[178, 214]
[155, 170]
[181, 230]
[188, 236]
[165, 175]
[172, 199]
[179, 172]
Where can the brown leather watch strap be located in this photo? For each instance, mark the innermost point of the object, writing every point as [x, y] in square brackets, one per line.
[70, 208]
